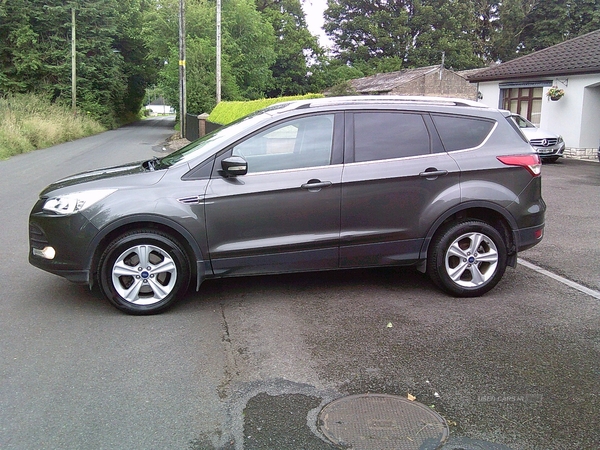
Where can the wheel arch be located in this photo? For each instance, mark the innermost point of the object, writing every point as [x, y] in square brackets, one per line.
[493, 214]
[174, 230]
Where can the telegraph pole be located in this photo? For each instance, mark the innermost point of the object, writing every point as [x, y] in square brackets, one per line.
[218, 51]
[182, 83]
[73, 64]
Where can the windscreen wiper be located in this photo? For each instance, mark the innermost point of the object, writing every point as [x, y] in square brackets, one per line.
[151, 163]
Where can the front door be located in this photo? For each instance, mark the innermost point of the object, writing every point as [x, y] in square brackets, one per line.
[284, 214]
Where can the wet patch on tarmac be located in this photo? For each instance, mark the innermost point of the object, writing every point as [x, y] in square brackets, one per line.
[280, 422]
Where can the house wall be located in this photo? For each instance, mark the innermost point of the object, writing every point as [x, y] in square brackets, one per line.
[161, 109]
[450, 85]
[490, 93]
[576, 116]
[590, 122]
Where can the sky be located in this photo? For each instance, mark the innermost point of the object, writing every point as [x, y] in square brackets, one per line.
[314, 19]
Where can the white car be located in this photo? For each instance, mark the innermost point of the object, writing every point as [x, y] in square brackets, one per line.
[548, 145]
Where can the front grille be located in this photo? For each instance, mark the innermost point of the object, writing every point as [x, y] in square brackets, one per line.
[548, 142]
[37, 238]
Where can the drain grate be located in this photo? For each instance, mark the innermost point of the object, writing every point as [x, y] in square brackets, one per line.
[382, 422]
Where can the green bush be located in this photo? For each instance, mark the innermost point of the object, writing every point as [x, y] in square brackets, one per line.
[29, 122]
[227, 112]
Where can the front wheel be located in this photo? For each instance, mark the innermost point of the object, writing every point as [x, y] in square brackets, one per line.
[467, 259]
[143, 272]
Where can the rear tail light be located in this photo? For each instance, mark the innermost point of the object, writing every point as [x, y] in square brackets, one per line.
[530, 162]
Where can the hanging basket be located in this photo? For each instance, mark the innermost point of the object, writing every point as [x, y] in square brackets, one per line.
[555, 94]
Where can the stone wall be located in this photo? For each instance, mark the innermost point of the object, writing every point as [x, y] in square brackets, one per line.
[581, 153]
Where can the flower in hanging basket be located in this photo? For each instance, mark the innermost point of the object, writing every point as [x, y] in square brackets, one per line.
[555, 93]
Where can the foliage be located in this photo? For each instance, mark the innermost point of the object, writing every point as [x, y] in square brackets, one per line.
[227, 112]
[530, 25]
[35, 53]
[341, 89]
[267, 51]
[405, 32]
[414, 33]
[30, 122]
[247, 48]
[331, 72]
[555, 92]
[295, 47]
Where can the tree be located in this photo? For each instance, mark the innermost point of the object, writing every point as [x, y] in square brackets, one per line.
[35, 53]
[295, 47]
[444, 27]
[530, 25]
[329, 72]
[248, 44]
[247, 51]
[409, 33]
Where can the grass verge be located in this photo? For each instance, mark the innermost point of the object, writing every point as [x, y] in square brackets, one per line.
[30, 122]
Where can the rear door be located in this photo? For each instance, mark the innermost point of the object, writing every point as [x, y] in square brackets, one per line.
[399, 181]
[284, 215]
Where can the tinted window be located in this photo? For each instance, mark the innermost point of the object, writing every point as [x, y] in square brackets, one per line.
[387, 135]
[304, 142]
[459, 133]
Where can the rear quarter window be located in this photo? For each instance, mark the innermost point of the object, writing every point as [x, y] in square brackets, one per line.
[460, 132]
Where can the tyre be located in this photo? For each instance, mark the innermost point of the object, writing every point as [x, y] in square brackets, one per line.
[467, 259]
[143, 272]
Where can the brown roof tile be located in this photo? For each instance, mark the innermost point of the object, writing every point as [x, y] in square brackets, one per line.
[574, 56]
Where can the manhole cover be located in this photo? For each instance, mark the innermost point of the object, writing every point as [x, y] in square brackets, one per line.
[382, 422]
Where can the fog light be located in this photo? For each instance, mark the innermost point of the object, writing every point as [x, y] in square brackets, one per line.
[46, 252]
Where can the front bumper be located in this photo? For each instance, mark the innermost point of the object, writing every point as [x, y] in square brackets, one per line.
[552, 151]
[61, 245]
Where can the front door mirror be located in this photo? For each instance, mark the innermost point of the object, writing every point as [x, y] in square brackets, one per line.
[234, 166]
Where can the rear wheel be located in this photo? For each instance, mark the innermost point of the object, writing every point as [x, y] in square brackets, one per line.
[143, 272]
[467, 259]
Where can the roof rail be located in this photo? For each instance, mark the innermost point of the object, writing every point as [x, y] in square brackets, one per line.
[393, 99]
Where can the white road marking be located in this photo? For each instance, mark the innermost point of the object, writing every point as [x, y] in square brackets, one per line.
[560, 279]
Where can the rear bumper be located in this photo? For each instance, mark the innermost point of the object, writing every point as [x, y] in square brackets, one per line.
[528, 237]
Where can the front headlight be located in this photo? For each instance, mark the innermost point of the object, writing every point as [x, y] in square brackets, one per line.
[77, 201]
[560, 139]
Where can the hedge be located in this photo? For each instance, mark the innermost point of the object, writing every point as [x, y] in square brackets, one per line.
[227, 112]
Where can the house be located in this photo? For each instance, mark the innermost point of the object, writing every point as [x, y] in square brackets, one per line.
[522, 85]
[430, 81]
[159, 106]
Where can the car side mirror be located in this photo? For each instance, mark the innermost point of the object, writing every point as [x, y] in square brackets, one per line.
[234, 166]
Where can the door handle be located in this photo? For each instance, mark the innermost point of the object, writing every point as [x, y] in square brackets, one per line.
[432, 173]
[316, 185]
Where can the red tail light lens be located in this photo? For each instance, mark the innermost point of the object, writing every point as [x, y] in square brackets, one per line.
[530, 162]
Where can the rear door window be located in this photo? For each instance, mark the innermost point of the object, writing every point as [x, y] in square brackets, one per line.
[389, 135]
[460, 132]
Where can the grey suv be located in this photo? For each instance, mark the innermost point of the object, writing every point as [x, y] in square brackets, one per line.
[447, 186]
